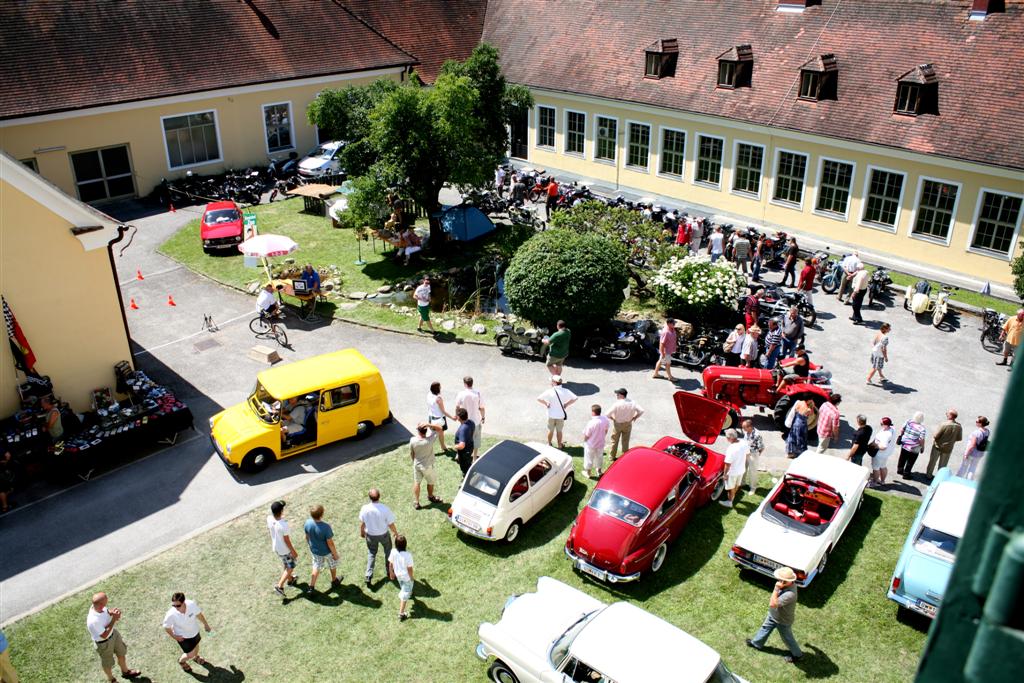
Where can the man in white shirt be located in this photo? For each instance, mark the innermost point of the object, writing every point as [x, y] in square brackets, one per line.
[624, 412]
[105, 638]
[716, 243]
[470, 399]
[859, 284]
[696, 235]
[281, 543]
[594, 436]
[750, 349]
[422, 296]
[735, 465]
[266, 302]
[182, 624]
[849, 266]
[375, 519]
[556, 400]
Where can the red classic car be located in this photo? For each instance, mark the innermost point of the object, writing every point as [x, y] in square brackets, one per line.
[738, 388]
[221, 227]
[647, 496]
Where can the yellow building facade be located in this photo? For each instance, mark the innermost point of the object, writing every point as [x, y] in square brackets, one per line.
[124, 150]
[57, 276]
[939, 213]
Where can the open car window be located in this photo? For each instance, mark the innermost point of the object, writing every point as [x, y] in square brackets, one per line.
[621, 508]
[519, 489]
[936, 543]
[581, 672]
[687, 485]
[538, 471]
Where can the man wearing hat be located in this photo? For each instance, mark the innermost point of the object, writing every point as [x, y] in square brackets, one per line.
[781, 615]
[624, 412]
[556, 400]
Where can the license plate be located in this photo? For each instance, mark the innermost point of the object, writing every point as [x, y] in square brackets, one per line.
[927, 609]
[465, 522]
[593, 571]
[766, 562]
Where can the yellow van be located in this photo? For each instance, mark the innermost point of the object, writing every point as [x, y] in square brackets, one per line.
[299, 406]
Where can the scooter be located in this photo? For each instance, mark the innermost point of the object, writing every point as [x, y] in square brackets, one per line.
[621, 341]
[518, 341]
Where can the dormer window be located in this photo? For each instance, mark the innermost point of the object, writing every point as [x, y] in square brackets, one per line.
[819, 79]
[735, 66]
[917, 92]
[795, 6]
[660, 59]
[982, 8]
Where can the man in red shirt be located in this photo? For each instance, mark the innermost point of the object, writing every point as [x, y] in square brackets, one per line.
[806, 282]
[552, 197]
[752, 308]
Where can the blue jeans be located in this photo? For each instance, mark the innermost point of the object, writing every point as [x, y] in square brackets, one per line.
[773, 357]
[788, 348]
[785, 631]
[755, 268]
[715, 256]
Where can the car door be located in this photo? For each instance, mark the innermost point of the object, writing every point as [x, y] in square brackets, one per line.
[339, 413]
[517, 500]
[543, 485]
[663, 526]
[688, 499]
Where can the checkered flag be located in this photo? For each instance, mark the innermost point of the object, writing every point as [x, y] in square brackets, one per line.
[24, 359]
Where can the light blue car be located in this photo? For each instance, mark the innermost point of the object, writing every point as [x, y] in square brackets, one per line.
[922, 572]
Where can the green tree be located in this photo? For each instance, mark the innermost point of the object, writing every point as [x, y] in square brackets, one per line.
[1017, 268]
[576, 277]
[345, 115]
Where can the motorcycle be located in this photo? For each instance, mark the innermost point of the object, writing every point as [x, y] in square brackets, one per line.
[700, 350]
[518, 341]
[878, 285]
[774, 246]
[918, 299]
[622, 341]
[777, 302]
[992, 330]
[831, 276]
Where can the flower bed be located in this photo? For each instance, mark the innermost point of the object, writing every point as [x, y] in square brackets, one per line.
[693, 288]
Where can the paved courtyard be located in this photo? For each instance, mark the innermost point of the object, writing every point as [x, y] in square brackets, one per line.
[76, 536]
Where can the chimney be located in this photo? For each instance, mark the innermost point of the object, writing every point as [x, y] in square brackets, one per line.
[982, 8]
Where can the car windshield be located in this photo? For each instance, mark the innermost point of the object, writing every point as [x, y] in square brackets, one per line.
[324, 151]
[483, 486]
[265, 406]
[721, 674]
[222, 216]
[622, 508]
[936, 543]
[560, 648]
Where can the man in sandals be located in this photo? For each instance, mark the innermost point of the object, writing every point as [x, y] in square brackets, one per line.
[106, 639]
[182, 624]
[421, 450]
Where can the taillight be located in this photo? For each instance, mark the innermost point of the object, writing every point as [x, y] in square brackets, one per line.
[490, 530]
[895, 582]
[739, 551]
[449, 512]
[800, 576]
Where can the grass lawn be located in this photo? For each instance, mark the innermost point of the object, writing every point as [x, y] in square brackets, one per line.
[353, 634]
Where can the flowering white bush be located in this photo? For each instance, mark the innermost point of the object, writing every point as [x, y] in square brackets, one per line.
[694, 288]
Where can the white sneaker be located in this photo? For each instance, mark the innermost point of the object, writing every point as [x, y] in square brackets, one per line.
[751, 490]
[725, 503]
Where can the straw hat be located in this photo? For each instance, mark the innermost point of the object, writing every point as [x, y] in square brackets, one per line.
[785, 574]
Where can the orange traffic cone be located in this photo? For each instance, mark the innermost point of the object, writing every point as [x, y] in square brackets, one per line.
[138, 274]
[170, 300]
[132, 305]
[170, 207]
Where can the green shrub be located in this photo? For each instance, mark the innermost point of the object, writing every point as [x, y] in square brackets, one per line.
[1018, 276]
[695, 290]
[559, 274]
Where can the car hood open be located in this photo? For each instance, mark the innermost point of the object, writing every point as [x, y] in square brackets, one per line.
[700, 418]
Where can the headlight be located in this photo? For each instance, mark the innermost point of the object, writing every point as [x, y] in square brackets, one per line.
[227, 449]
[211, 423]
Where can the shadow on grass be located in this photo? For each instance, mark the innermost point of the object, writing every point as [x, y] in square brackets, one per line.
[817, 664]
[214, 673]
[336, 595]
[918, 622]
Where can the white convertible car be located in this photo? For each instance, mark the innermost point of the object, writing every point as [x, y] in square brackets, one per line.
[799, 523]
[508, 485]
[560, 634]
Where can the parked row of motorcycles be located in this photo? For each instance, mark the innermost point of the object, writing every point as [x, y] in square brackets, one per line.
[244, 187]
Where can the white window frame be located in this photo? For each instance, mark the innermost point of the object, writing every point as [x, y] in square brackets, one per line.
[696, 162]
[216, 127]
[266, 133]
[974, 226]
[661, 147]
[625, 161]
[536, 130]
[864, 200]
[917, 208]
[735, 159]
[614, 160]
[775, 179]
[565, 134]
[845, 217]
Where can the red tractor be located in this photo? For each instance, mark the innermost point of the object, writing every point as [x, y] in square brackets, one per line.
[742, 387]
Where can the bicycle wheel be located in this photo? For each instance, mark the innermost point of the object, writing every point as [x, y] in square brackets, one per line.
[259, 325]
[280, 336]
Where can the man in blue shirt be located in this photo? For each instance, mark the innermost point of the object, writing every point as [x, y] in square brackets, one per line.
[320, 538]
[7, 672]
[311, 278]
[464, 440]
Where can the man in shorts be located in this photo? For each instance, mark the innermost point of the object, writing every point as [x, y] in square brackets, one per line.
[667, 339]
[556, 399]
[182, 624]
[1010, 337]
[470, 399]
[422, 296]
[105, 638]
[595, 434]
[320, 538]
[558, 348]
[735, 465]
[281, 542]
[421, 450]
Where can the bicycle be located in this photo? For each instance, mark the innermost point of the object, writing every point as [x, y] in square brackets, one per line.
[265, 327]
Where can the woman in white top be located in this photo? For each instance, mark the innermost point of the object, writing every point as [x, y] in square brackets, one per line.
[977, 444]
[734, 345]
[880, 352]
[400, 569]
[182, 624]
[881, 448]
[436, 413]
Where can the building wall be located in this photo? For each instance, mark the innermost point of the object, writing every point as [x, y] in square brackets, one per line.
[953, 254]
[240, 127]
[65, 300]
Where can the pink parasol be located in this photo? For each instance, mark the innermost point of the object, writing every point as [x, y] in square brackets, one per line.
[265, 246]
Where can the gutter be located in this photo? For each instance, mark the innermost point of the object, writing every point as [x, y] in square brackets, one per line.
[121, 230]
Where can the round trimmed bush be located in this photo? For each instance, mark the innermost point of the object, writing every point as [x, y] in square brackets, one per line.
[564, 275]
[695, 289]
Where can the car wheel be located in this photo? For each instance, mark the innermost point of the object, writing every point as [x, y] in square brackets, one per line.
[782, 407]
[504, 343]
[567, 483]
[659, 557]
[719, 489]
[513, 531]
[257, 460]
[824, 561]
[364, 429]
[500, 673]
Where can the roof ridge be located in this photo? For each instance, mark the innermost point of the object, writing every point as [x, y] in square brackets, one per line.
[342, 5]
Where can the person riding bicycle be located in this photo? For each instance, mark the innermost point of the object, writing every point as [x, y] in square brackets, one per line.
[266, 302]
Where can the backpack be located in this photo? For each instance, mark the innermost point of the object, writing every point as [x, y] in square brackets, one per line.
[981, 445]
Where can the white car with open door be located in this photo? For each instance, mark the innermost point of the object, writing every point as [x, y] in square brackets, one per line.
[799, 523]
[560, 635]
[507, 486]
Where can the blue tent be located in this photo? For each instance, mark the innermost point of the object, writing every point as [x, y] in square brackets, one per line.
[465, 223]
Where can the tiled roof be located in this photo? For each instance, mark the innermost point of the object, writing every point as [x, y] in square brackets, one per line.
[432, 30]
[595, 47]
[60, 55]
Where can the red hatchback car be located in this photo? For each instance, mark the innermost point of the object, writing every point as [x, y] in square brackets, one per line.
[647, 496]
[221, 227]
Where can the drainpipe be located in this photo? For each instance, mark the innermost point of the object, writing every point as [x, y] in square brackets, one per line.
[121, 230]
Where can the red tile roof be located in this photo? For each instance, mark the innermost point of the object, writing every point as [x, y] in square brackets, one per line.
[432, 30]
[596, 47]
[60, 54]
